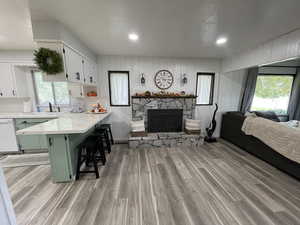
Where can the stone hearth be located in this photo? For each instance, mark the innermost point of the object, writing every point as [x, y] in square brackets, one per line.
[166, 140]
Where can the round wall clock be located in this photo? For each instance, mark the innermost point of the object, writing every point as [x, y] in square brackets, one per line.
[163, 79]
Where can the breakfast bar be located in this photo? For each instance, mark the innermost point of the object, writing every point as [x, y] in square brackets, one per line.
[64, 136]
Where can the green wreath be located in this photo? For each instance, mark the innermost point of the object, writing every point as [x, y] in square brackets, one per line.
[48, 61]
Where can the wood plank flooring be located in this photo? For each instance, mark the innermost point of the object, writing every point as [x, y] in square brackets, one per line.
[215, 184]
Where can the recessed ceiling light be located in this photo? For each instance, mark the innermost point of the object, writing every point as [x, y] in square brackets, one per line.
[221, 40]
[133, 37]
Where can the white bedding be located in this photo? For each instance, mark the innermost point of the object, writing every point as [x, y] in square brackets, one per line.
[279, 136]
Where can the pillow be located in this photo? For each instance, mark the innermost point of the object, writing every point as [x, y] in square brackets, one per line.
[270, 115]
[252, 114]
[292, 123]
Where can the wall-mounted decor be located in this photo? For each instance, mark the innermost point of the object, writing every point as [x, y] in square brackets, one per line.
[184, 79]
[143, 80]
[48, 61]
[163, 79]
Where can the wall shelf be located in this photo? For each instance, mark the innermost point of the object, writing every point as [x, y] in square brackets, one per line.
[152, 96]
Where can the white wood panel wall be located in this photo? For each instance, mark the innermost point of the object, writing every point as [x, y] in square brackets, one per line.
[149, 66]
[282, 48]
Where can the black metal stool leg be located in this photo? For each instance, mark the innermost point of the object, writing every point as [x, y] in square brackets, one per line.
[78, 163]
[102, 152]
[107, 141]
[111, 136]
[95, 165]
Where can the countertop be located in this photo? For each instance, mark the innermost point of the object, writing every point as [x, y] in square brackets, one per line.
[66, 123]
[31, 115]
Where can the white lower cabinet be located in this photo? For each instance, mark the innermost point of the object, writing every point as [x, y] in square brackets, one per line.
[8, 140]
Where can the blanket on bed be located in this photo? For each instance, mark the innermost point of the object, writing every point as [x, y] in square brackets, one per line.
[279, 137]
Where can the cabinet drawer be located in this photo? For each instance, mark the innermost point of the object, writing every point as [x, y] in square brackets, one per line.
[31, 142]
[30, 122]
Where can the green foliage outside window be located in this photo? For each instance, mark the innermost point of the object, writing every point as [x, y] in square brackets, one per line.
[273, 86]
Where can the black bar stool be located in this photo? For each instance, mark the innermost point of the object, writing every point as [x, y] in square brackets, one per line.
[107, 126]
[102, 134]
[90, 151]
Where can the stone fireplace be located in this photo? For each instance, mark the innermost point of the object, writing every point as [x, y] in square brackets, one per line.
[141, 106]
[164, 118]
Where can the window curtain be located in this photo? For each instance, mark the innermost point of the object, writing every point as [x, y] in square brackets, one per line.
[204, 87]
[119, 89]
[249, 89]
[294, 105]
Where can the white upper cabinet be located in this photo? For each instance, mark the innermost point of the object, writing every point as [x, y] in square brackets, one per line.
[74, 65]
[76, 90]
[7, 85]
[90, 72]
[13, 81]
[77, 67]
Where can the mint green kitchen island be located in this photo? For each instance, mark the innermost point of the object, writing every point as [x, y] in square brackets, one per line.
[64, 136]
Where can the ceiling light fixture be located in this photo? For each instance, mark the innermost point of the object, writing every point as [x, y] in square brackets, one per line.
[133, 37]
[221, 40]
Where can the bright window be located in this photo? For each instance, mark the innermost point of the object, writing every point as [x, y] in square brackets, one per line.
[55, 92]
[205, 88]
[272, 93]
[119, 88]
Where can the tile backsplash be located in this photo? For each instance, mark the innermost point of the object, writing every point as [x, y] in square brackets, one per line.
[12, 104]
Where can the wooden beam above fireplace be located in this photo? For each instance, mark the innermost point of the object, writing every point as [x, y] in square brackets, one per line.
[153, 96]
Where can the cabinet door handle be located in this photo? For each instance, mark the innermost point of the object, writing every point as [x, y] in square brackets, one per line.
[91, 79]
[50, 142]
[13, 92]
[1, 94]
[78, 76]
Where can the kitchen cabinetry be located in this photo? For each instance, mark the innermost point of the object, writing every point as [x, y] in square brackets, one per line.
[13, 81]
[31, 142]
[8, 141]
[90, 72]
[77, 67]
[76, 90]
[74, 65]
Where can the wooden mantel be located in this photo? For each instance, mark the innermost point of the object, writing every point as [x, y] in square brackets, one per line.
[153, 96]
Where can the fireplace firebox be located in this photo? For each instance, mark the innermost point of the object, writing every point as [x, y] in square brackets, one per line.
[165, 120]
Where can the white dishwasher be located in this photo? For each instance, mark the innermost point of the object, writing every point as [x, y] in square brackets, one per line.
[8, 139]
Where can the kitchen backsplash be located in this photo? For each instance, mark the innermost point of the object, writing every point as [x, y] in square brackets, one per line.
[11, 105]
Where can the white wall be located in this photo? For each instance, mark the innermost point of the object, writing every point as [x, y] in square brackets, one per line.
[279, 49]
[230, 84]
[231, 91]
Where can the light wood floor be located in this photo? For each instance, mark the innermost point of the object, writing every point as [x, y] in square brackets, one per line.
[216, 184]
